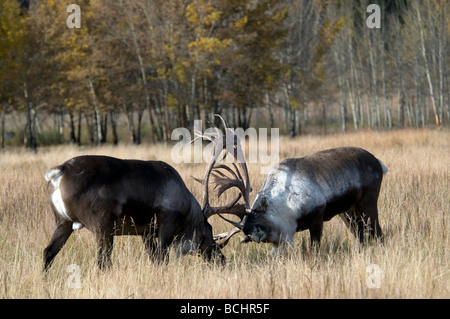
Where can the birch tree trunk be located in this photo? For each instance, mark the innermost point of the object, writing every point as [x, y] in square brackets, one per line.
[97, 123]
[351, 83]
[341, 89]
[441, 58]
[31, 141]
[3, 126]
[427, 68]
[373, 78]
[386, 106]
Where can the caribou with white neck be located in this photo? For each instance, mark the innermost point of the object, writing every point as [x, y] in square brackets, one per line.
[302, 193]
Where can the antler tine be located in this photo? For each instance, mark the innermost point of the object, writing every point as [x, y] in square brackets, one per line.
[196, 138]
[205, 181]
[231, 208]
[223, 121]
[226, 236]
[218, 132]
[224, 182]
[209, 136]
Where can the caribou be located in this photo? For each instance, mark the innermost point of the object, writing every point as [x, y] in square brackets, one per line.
[112, 197]
[302, 193]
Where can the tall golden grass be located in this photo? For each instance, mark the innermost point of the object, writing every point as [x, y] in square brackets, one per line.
[414, 261]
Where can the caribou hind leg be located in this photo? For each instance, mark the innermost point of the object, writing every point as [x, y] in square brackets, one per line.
[353, 220]
[105, 240]
[368, 208]
[364, 222]
[62, 232]
[372, 223]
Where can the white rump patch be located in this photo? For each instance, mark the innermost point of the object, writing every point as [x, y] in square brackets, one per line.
[54, 176]
[59, 204]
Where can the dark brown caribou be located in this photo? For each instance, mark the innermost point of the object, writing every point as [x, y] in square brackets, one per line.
[302, 193]
[111, 196]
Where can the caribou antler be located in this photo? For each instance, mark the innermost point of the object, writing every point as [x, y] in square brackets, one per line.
[226, 236]
[224, 177]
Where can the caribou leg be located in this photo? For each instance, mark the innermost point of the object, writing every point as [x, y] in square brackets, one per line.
[360, 223]
[363, 217]
[105, 241]
[349, 219]
[149, 239]
[167, 231]
[356, 222]
[316, 227]
[63, 230]
[370, 219]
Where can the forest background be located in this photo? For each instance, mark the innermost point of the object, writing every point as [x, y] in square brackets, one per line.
[139, 69]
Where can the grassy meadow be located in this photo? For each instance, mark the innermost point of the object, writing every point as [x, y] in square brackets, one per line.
[414, 261]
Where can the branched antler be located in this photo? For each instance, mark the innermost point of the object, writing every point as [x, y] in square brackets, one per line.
[224, 177]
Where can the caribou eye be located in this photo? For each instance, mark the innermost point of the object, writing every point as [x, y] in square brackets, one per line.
[258, 235]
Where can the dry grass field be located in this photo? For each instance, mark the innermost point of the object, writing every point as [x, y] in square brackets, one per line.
[414, 261]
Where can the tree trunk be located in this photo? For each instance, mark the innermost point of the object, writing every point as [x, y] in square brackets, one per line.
[441, 57]
[60, 125]
[386, 106]
[373, 80]
[342, 92]
[97, 121]
[401, 107]
[130, 122]
[90, 127]
[113, 117]
[3, 127]
[139, 126]
[73, 139]
[154, 123]
[104, 127]
[400, 97]
[80, 116]
[419, 103]
[31, 134]
[324, 118]
[427, 69]
[289, 112]
[269, 109]
[351, 87]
